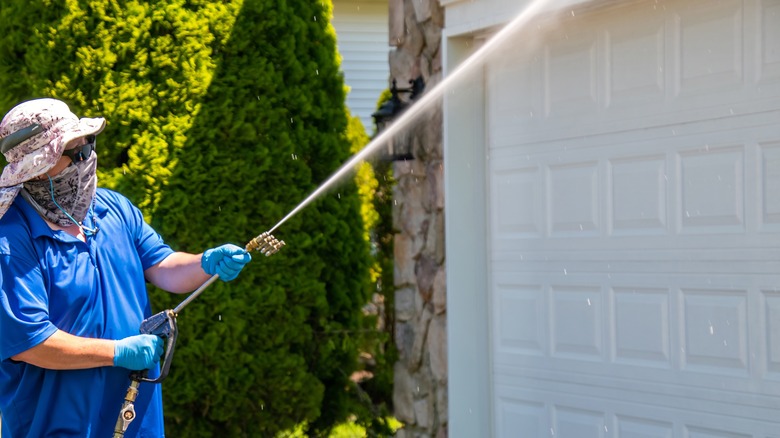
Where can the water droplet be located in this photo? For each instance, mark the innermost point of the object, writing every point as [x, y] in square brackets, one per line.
[339, 195]
[220, 317]
[565, 272]
[725, 344]
[589, 303]
[581, 227]
[572, 13]
[291, 119]
[317, 71]
[315, 18]
[712, 329]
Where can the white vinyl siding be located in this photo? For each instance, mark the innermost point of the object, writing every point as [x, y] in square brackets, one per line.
[362, 32]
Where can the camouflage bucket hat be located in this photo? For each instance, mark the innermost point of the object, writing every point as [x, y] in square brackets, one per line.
[32, 137]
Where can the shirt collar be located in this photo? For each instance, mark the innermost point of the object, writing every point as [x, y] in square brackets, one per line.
[99, 207]
[38, 227]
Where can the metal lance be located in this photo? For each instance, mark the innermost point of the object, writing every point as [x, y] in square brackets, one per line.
[164, 325]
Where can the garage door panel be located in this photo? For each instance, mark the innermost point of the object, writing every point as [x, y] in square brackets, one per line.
[652, 63]
[521, 415]
[771, 313]
[573, 422]
[641, 326]
[571, 85]
[574, 199]
[710, 47]
[715, 337]
[770, 186]
[517, 202]
[678, 325]
[576, 319]
[636, 61]
[622, 418]
[633, 427]
[691, 344]
[711, 190]
[638, 187]
[699, 432]
[769, 41]
[595, 189]
[521, 319]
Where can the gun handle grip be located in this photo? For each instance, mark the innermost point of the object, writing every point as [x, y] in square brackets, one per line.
[164, 325]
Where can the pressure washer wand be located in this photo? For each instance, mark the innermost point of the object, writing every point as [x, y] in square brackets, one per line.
[164, 325]
[265, 243]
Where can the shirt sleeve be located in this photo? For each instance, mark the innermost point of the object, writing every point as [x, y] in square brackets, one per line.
[149, 244]
[24, 303]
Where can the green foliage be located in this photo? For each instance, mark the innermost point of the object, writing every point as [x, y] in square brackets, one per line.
[223, 116]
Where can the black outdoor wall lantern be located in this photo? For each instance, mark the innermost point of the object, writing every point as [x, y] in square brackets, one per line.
[397, 148]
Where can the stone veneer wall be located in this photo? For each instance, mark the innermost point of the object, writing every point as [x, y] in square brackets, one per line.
[420, 385]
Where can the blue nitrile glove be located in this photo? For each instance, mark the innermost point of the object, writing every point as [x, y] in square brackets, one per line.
[226, 260]
[139, 352]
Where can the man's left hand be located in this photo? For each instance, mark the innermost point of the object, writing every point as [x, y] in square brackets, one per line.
[226, 260]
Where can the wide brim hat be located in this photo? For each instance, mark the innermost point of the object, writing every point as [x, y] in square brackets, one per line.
[33, 136]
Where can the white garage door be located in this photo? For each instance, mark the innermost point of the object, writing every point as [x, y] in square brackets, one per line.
[634, 216]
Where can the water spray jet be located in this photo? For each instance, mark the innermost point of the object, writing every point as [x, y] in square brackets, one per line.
[426, 100]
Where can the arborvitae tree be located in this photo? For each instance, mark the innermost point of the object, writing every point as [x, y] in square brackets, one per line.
[222, 117]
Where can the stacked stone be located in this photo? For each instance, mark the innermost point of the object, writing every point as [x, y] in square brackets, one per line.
[420, 390]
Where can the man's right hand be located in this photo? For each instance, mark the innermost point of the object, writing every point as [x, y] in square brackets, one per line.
[139, 352]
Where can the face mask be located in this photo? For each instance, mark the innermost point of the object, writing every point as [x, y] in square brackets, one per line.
[72, 190]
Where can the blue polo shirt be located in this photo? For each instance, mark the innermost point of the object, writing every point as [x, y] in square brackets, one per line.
[51, 280]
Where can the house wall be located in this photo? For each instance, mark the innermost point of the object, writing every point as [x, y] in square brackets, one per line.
[362, 32]
[420, 385]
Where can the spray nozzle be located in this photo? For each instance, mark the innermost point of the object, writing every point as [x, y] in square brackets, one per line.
[266, 243]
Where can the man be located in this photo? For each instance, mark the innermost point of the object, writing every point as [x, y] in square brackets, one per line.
[74, 261]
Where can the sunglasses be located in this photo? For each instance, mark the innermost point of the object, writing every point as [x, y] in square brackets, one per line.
[81, 153]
